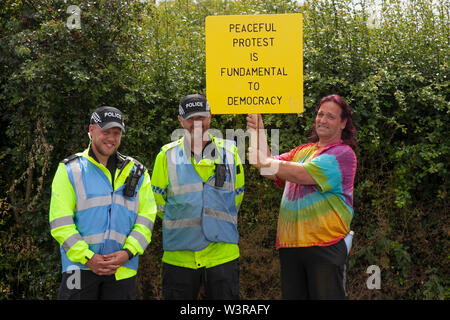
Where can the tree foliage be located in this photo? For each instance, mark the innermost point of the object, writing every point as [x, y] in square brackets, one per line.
[143, 57]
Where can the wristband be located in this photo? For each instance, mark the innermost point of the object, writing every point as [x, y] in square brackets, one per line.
[130, 255]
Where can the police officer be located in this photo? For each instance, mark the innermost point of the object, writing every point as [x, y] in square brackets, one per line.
[102, 212]
[198, 182]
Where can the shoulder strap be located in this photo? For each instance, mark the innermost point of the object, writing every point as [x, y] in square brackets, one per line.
[140, 168]
[171, 145]
[72, 157]
[127, 159]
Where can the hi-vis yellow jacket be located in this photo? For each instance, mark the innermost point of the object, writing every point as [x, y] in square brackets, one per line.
[87, 216]
[215, 253]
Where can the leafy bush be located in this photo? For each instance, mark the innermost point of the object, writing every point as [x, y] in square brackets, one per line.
[142, 58]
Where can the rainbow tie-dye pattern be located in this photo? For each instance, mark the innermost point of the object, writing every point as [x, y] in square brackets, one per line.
[317, 215]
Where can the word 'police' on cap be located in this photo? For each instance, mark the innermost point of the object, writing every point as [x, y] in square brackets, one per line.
[108, 117]
[193, 105]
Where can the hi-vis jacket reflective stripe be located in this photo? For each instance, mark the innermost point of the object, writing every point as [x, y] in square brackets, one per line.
[197, 213]
[104, 218]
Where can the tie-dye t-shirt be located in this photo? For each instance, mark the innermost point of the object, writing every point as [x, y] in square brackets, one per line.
[317, 215]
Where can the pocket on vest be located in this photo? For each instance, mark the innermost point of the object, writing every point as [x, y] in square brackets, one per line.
[220, 215]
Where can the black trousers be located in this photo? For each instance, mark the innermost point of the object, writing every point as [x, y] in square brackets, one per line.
[314, 272]
[220, 282]
[86, 285]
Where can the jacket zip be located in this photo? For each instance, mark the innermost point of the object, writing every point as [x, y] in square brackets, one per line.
[112, 198]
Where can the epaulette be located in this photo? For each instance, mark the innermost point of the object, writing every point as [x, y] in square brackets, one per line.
[126, 159]
[70, 158]
[171, 145]
[137, 163]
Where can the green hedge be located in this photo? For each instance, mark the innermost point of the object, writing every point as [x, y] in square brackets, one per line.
[142, 58]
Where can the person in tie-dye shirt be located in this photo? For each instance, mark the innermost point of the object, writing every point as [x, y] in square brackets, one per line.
[313, 234]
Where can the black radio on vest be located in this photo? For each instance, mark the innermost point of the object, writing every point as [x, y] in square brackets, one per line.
[133, 180]
[220, 174]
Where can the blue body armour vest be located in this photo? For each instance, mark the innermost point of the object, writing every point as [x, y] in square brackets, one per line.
[104, 217]
[198, 213]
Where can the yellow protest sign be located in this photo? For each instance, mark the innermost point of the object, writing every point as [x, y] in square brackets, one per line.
[254, 63]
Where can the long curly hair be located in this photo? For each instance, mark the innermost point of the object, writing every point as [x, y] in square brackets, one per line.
[349, 133]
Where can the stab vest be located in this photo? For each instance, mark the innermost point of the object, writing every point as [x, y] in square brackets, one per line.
[104, 217]
[198, 213]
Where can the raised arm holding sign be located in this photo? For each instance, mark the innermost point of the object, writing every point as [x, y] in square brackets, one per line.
[313, 235]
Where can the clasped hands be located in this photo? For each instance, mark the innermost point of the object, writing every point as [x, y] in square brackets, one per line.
[105, 265]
